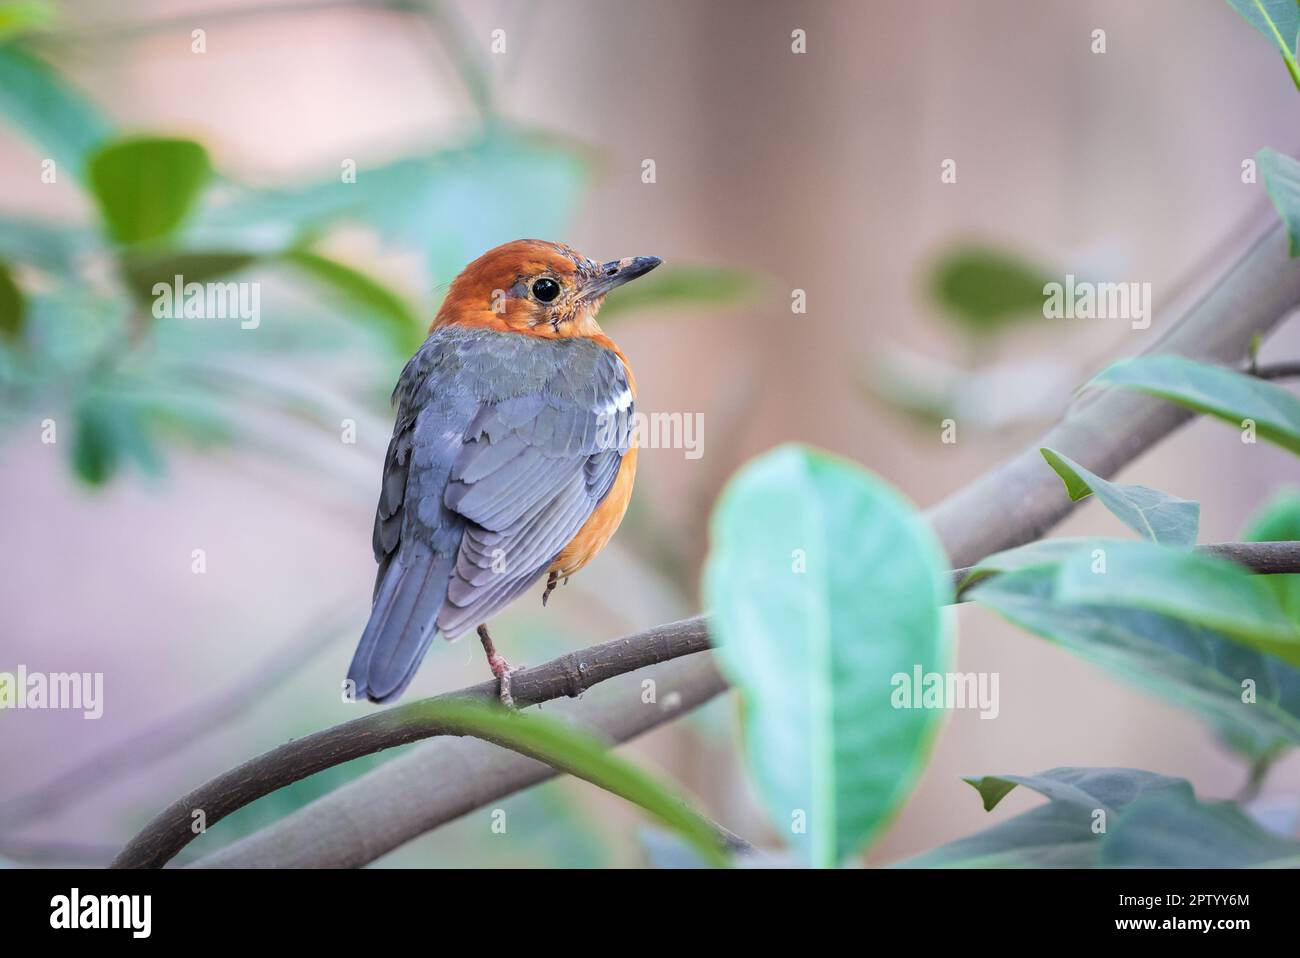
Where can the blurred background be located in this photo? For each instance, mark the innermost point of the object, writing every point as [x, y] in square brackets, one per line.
[469, 124]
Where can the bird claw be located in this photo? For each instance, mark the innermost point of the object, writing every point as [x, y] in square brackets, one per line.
[503, 672]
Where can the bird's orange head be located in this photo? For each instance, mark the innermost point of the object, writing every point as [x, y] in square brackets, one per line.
[537, 288]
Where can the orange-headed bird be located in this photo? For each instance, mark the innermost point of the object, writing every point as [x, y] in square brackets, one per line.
[511, 458]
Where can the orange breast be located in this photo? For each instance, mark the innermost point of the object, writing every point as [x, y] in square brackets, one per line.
[602, 523]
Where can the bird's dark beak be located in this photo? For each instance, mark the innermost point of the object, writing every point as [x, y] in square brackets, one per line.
[619, 271]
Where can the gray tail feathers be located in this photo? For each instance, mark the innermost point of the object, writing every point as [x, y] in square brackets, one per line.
[401, 627]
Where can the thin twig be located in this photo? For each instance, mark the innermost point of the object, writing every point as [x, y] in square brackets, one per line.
[1262, 558]
[1285, 370]
[569, 675]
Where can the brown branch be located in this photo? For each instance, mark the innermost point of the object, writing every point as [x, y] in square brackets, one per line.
[454, 776]
[1009, 506]
[1286, 370]
[570, 675]
[1104, 430]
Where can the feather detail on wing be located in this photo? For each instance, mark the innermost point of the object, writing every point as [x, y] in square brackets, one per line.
[504, 446]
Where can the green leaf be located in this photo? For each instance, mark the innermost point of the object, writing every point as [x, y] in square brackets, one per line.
[1154, 515]
[1044, 552]
[1279, 22]
[397, 320]
[24, 16]
[817, 649]
[1108, 789]
[108, 429]
[684, 286]
[1228, 395]
[1194, 587]
[578, 753]
[143, 267]
[1189, 665]
[1059, 834]
[145, 186]
[982, 289]
[13, 306]
[1173, 830]
[58, 119]
[1282, 183]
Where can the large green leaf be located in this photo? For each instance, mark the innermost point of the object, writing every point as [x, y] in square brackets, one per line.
[578, 753]
[1153, 515]
[1279, 22]
[826, 589]
[1282, 182]
[145, 186]
[397, 320]
[58, 119]
[1172, 829]
[1224, 393]
[1063, 833]
[983, 289]
[681, 286]
[1194, 587]
[1190, 665]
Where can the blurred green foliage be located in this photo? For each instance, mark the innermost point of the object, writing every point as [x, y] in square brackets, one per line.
[982, 290]
[91, 340]
[145, 186]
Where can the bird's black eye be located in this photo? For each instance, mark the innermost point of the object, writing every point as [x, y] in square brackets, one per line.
[546, 290]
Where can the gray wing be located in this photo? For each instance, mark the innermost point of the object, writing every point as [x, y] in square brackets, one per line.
[532, 471]
[503, 447]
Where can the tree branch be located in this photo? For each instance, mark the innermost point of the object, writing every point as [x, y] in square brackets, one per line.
[450, 777]
[1009, 506]
[1104, 430]
[1286, 370]
[570, 675]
